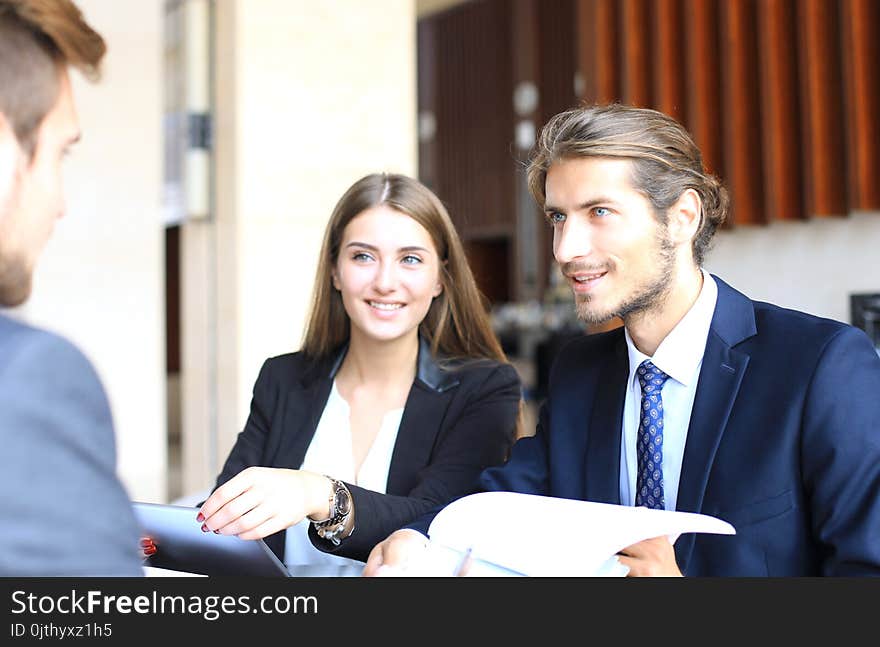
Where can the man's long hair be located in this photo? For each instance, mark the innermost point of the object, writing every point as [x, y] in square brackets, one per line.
[665, 160]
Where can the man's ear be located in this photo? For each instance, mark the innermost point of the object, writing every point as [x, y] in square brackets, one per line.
[685, 217]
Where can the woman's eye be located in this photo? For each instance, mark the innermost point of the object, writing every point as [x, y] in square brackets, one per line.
[409, 259]
[361, 256]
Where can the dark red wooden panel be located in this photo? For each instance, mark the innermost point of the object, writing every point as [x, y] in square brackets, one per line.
[781, 115]
[824, 138]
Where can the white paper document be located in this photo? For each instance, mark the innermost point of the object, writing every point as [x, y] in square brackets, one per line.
[525, 534]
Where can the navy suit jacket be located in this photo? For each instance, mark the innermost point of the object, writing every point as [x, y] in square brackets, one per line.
[63, 511]
[783, 442]
[459, 418]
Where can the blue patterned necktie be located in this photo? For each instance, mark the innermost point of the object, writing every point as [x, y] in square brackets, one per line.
[649, 483]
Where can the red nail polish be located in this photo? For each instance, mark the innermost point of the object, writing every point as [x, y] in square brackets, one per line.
[205, 527]
[146, 542]
[200, 518]
[150, 551]
[216, 532]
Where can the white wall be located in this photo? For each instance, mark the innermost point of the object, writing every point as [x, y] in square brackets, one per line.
[326, 94]
[811, 266]
[310, 97]
[100, 280]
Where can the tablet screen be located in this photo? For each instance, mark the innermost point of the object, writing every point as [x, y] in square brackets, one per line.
[182, 546]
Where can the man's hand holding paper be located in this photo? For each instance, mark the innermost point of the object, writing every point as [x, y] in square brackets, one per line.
[653, 557]
[507, 533]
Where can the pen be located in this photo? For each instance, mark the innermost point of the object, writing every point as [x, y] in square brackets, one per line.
[462, 568]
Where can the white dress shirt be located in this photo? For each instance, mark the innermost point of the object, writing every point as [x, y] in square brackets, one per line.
[331, 453]
[680, 356]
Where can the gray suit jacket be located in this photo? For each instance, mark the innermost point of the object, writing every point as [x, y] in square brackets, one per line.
[63, 512]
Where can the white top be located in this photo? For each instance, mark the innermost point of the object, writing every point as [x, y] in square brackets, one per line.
[680, 356]
[331, 453]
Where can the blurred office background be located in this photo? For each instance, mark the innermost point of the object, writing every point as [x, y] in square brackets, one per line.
[223, 132]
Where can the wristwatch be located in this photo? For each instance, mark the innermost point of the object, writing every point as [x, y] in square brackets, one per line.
[340, 509]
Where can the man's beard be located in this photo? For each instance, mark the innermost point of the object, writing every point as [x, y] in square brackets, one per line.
[645, 297]
[15, 280]
[15, 272]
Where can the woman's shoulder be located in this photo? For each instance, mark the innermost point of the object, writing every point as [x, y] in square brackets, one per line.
[290, 366]
[285, 361]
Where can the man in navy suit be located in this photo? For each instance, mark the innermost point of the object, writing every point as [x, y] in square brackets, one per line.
[705, 401]
[62, 509]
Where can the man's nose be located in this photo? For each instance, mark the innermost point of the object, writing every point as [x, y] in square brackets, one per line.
[570, 241]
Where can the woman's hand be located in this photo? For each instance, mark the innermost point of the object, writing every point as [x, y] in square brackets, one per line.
[148, 548]
[260, 501]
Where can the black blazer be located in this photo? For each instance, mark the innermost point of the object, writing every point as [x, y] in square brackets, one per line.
[458, 419]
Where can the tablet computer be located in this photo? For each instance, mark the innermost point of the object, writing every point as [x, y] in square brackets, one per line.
[182, 546]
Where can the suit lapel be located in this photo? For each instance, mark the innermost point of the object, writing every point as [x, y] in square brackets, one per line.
[304, 404]
[602, 462]
[422, 415]
[302, 411]
[721, 375]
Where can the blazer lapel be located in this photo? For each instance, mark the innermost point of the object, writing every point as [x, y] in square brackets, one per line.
[302, 412]
[422, 415]
[721, 374]
[602, 462]
[304, 404]
[419, 425]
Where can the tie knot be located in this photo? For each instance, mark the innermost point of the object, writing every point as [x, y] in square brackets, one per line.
[650, 377]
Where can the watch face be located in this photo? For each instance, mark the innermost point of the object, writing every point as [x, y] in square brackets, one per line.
[342, 503]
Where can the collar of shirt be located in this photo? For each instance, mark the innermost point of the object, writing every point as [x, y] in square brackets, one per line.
[681, 351]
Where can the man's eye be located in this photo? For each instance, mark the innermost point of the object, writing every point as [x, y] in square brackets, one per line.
[554, 218]
[601, 212]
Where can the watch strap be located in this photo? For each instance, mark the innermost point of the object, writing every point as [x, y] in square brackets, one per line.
[340, 510]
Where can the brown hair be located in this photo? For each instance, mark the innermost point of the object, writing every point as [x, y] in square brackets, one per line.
[37, 39]
[665, 160]
[457, 324]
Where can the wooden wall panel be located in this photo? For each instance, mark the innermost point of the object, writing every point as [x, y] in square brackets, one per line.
[704, 116]
[780, 124]
[557, 56]
[598, 49]
[667, 60]
[635, 26]
[824, 138]
[474, 116]
[743, 162]
[861, 49]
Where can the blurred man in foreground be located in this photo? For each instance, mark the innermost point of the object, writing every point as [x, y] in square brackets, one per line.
[63, 512]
